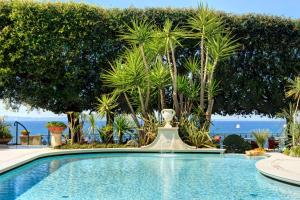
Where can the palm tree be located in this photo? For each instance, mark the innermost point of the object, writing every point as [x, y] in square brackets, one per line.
[122, 125]
[170, 36]
[216, 44]
[139, 34]
[205, 24]
[105, 105]
[294, 92]
[127, 76]
[160, 78]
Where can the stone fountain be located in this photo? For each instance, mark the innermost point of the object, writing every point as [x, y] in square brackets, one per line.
[167, 137]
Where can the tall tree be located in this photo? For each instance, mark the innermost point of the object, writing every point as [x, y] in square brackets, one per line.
[50, 57]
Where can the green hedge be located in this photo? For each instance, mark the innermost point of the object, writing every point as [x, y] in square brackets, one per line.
[34, 35]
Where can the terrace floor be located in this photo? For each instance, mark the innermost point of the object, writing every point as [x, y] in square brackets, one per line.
[281, 167]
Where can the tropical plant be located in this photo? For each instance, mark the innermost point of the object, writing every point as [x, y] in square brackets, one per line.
[170, 36]
[150, 128]
[4, 129]
[106, 134]
[294, 92]
[160, 78]
[139, 35]
[199, 137]
[193, 134]
[294, 130]
[295, 151]
[261, 137]
[236, 144]
[216, 44]
[127, 76]
[93, 125]
[122, 125]
[56, 124]
[106, 104]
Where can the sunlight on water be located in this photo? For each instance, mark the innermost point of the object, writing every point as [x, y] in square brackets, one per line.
[143, 176]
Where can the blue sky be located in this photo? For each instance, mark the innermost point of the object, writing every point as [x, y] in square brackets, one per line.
[286, 8]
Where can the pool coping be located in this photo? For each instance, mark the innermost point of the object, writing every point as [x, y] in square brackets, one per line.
[280, 167]
[20, 160]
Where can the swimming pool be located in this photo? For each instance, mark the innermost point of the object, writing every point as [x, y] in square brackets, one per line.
[142, 176]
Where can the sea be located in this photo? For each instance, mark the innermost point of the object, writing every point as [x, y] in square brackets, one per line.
[223, 128]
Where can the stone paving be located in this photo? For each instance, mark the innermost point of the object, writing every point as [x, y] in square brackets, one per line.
[281, 167]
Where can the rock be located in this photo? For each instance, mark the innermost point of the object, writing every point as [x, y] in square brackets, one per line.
[132, 143]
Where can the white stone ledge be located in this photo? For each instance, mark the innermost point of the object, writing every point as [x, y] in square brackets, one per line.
[12, 158]
[280, 167]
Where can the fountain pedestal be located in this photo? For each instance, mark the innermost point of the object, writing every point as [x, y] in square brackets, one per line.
[168, 139]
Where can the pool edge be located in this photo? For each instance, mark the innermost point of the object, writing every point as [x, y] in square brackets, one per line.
[270, 168]
[15, 163]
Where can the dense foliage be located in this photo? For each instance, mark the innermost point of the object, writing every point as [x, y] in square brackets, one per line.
[4, 130]
[51, 55]
[55, 124]
[236, 144]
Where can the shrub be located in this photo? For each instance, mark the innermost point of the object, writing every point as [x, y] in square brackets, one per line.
[236, 144]
[56, 123]
[261, 137]
[295, 151]
[286, 151]
[194, 135]
[4, 129]
[122, 125]
[106, 134]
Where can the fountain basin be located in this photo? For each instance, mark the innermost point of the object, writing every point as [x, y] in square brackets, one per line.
[168, 139]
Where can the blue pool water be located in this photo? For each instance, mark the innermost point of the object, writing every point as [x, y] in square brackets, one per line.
[143, 176]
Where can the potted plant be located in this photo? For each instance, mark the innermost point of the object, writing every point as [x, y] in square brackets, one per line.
[261, 136]
[56, 128]
[5, 135]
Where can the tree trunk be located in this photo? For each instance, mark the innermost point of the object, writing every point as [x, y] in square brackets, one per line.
[175, 98]
[209, 110]
[181, 102]
[135, 119]
[73, 121]
[202, 81]
[142, 102]
[296, 110]
[120, 137]
[148, 80]
[162, 99]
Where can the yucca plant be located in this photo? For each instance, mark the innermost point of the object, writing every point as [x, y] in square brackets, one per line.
[122, 125]
[261, 137]
[170, 36]
[150, 128]
[139, 34]
[106, 103]
[160, 78]
[106, 134]
[294, 92]
[92, 118]
[294, 130]
[293, 126]
[194, 135]
[216, 44]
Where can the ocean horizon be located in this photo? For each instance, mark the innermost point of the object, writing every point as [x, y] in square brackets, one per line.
[218, 127]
